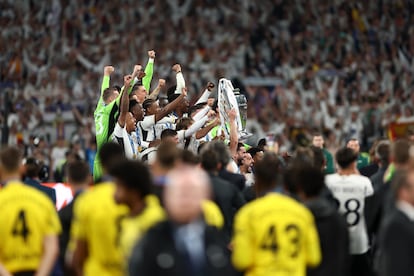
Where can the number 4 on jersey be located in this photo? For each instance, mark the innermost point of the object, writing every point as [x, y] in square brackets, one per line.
[20, 226]
[269, 240]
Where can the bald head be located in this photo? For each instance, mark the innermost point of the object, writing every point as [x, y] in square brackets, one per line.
[186, 189]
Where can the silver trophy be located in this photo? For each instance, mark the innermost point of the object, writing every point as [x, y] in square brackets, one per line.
[229, 98]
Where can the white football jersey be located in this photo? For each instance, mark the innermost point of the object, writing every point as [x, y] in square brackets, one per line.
[351, 191]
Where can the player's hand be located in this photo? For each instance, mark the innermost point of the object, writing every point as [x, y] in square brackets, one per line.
[210, 102]
[184, 91]
[108, 70]
[211, 114]
[137, 68]
[127, 80]
[210, 86]
[151, 54]
[141, 74]
[232, 114]
[176, 68]
[161, 83]
[216, 121]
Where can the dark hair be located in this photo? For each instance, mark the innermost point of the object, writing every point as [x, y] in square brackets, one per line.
[32, 167]
[318, 157]
[108, 92]
[132, 104]
[147, 103]
[267, 170]
[134, 175]
[309, 179]
[10, 159]
[168, 132]
[221, 150]
[345, 157]
[183, 123]
[240, 145]
[382, 152]
[352, 139]
[110, 153]
[209, 161]
[117, 88]
[253, 151]
[188, 157]
[77, 172]
[401, 151]
[167, 154]
[194, 108]
[136, 86]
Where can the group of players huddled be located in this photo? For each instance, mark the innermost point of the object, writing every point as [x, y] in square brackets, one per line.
[174, 195]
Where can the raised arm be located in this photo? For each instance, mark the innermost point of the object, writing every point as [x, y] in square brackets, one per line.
[234, 138]
[196, 126]
[149, 71]
[202, 113]
[206, 94]
[179, 78]
[137, 74]
[154, 94]
[124, 101]
[108, 70]
[205, 130]
[171, 106]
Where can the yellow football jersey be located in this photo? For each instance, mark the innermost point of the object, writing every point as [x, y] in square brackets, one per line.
[26, 217]
[212, 214]
[275, 235]
[133, 228]
[97, 221]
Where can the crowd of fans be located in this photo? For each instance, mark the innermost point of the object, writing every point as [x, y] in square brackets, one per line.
[178, 191]
[355, 58]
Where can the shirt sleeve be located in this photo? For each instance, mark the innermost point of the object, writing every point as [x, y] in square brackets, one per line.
[201, 113]
[149, 71]
[369, 190]
[118, 131]
[312, 246]
[180, 83]
[148, 122]
[204, 97]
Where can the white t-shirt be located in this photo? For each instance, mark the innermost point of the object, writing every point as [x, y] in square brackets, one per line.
[155, 129]
[351, 191]
[131, 148]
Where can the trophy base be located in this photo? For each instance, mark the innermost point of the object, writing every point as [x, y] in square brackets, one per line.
[243, 135]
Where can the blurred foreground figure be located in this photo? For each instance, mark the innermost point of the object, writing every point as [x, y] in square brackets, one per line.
[274, 234]
[397, 236]
[94, 248]
[29, 225]
[184, 244]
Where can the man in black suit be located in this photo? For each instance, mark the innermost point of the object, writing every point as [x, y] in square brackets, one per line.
[224, 157]
[332, 228]
[32, 169]
[374, 203]
[183, 244]
[225, 195]
[79, 178]
[397, 234]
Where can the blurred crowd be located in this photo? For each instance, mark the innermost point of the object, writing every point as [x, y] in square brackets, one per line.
[345, 67]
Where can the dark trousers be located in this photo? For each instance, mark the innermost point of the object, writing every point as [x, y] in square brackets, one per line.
[361, 265]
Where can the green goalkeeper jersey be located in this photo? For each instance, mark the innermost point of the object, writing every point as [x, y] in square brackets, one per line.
[106, 115]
